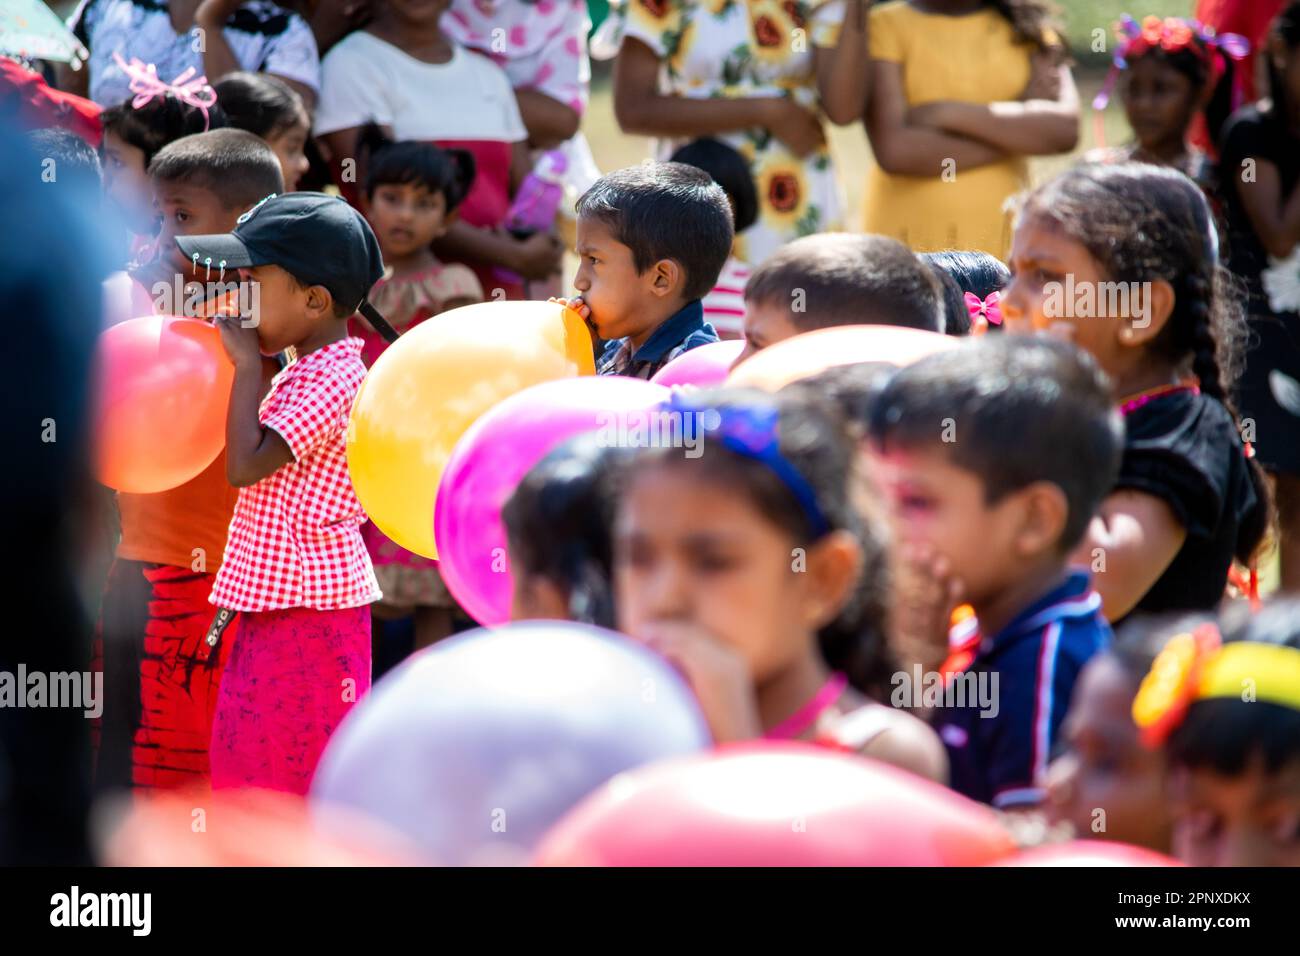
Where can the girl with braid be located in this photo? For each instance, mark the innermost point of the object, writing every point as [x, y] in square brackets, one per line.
[1123, 260]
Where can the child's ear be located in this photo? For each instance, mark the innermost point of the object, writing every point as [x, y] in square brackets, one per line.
[832, 567]
[667, 277]
[320, 304]
[1148, 313]
[449, 219]
[1043, 515]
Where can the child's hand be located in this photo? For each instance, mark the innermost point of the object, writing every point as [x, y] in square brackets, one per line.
[240, 343]
[799, 129]
[214, 13]
[537, 257]
[926, 593]
[1044, 79]
[718, 675]
[577, 304]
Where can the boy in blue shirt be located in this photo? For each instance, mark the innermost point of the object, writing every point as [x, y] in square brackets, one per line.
[652, 240]
[995, 457]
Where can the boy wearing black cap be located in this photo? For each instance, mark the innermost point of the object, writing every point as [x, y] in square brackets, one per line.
[295, 568]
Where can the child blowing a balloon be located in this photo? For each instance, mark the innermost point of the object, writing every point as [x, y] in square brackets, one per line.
[161, 676]
[296, 570]
[994, 456]
[652, 240]
[747, 566]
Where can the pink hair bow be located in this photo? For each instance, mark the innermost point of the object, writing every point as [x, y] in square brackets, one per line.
[983, 312]
[146, 85]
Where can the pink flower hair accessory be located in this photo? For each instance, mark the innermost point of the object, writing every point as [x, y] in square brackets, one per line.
[983, 312]
[1172, 35]
[147, 85]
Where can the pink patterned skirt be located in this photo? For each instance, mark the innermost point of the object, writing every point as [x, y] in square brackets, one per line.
[291, 678]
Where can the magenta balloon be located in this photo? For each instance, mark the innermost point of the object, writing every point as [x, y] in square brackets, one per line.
[705, 365]
[489, 461]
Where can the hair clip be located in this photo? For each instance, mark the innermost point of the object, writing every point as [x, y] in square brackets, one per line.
[750, 431]
[1173, 682]
[145, 84]
[983, 312]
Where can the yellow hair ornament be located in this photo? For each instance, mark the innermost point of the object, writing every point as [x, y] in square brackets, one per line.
[1251, 671]
[1197, 666]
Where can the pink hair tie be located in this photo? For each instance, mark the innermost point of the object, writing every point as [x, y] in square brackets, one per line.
[983, 312]
[145, 84]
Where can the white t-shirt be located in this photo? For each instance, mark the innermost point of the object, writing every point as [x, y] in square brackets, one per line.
[263, 37]
[365, 80]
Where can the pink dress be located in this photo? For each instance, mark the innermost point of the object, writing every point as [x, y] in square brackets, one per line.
[408, 579]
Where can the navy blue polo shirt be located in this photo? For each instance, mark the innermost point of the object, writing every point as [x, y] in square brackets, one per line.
[999, 754]
[680, 332]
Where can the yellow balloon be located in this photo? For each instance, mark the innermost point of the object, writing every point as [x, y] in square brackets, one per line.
[431, 384]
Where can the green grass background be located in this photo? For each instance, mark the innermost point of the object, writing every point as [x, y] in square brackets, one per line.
[613, 149]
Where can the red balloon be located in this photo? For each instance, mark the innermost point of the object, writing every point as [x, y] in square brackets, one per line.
[162, 385]
[770, 803]
[1089, 853]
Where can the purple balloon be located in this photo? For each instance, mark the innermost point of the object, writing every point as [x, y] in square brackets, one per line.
[490, 459]
[704, 365]
[473, 748]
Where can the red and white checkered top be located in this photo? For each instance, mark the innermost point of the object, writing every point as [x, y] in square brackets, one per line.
[295, 539]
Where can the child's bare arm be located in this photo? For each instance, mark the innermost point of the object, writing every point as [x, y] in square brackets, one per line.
[904, 149]
[252, 452]
[1274, 216]
[1129, 544]
[843, 73]
[1030, 127]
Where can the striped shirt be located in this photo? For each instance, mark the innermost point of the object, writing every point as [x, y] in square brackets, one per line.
[724, 306]
[998, 750]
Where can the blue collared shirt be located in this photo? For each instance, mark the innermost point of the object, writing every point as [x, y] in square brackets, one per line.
[1001, 758]
[683, 330]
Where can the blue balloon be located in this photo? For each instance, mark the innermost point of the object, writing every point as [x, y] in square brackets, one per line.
[473, 748]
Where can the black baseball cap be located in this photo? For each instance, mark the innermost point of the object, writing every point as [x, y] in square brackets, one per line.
[318, 239]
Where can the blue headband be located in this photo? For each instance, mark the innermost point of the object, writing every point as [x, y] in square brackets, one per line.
[750, 431]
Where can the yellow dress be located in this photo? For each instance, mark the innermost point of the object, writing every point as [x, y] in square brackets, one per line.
[976, 59]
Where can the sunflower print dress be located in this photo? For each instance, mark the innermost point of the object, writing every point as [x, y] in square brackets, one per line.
[749, 48]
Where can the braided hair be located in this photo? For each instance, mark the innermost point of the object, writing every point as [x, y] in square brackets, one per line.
[1145, 223]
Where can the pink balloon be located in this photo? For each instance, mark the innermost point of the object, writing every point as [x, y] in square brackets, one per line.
[159, 397]
[1089, 853]
[774, 803]
[490, 459]
[706, 365]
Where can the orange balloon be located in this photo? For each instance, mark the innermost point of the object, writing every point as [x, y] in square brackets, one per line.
[162, 387]
[432, 384]
[812, 352]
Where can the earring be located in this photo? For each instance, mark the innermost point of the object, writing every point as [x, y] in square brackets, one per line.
[221, 277]
[208, 262]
